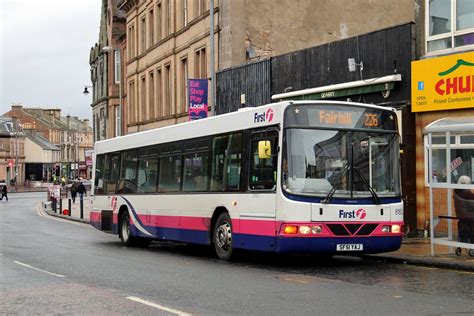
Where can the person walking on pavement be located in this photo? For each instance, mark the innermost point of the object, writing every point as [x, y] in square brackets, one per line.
[81, 189]
[73, 192]
[4, 191]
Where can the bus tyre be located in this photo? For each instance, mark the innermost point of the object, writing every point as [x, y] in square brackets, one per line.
[126, 237]
[222, 237]
[124, 230]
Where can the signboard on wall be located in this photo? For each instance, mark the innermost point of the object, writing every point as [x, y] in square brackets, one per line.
[443, 83]
[88, 154]
[198, 89]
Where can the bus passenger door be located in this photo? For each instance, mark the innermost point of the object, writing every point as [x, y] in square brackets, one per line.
[262, 173]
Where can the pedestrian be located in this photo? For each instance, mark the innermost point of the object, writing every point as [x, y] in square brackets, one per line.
[12, 183]
[73, 192]
[81, 189]
[4, 191]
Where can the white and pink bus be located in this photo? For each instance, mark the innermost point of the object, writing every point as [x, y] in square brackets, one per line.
[294, 176]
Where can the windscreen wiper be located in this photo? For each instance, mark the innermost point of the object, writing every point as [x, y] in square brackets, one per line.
[330, 194]
[371, 190]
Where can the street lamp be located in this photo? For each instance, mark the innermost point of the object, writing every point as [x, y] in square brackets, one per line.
[118, 79]
[86, 92]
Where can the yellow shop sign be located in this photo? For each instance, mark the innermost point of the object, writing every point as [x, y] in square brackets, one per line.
[443, 83]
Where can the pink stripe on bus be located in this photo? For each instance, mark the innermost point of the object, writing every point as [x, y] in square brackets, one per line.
[95, 217]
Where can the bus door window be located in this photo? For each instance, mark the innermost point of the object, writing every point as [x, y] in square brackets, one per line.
[128, 177]
[99, 175]
[113, 173]
[170, 174]
[226, 162]
[263, 171]
[195, 172]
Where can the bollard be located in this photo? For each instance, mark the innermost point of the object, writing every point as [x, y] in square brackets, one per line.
[60, 206]
[69, 207]
[53, 206]
[82, 208]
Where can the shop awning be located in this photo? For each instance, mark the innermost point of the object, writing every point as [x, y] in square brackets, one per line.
[386, 83]
[451, 124]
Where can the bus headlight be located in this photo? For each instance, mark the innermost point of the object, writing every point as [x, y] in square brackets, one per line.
[304, 230]
[317, 229]
[386, 229]
[396, 229]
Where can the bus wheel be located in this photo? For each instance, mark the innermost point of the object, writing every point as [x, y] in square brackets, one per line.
[222, 237]
[126, 237]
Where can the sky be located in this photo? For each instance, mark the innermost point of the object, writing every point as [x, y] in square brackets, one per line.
[44, 52]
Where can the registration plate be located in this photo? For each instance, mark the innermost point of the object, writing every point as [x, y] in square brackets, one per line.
[350, 247]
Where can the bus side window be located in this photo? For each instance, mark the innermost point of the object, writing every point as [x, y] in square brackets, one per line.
[147, 176]
[195, 172]
[226, 162]
[170, 174]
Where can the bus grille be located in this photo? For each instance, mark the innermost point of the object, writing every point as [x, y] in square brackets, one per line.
[352, 229]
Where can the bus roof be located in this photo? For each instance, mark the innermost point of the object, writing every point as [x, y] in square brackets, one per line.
[246, 118]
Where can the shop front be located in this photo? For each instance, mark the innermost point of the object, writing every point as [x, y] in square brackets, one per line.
[442, 87]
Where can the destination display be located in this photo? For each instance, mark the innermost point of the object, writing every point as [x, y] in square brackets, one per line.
[340, 116]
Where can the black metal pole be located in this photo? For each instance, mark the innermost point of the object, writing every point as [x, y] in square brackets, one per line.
[54, 204]
[60, 206]
[69, 207]
[82, 208]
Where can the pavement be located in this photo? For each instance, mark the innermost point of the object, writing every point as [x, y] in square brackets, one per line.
[414, 251]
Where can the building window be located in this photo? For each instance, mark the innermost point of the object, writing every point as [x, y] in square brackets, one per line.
[167, 91]
[167, 18]
[141, 112]
[117, 66]
[159, 17]
[131, 41]
[199, 7]
[200, 64]
[151, 101]
[159, 93]
[143, 35]
[151, 28]
[131, 102]
[118, 121]
[450, 24]
[185, 13]
[184, 85]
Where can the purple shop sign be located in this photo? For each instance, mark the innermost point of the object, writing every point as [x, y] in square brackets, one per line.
[197, 99]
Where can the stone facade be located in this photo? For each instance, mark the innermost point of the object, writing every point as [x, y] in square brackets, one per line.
[167, 43]
[256, 29]
[103, 58]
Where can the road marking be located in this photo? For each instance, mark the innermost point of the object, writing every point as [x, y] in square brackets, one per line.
[160, 307]
[37, 269]
[42, 213]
